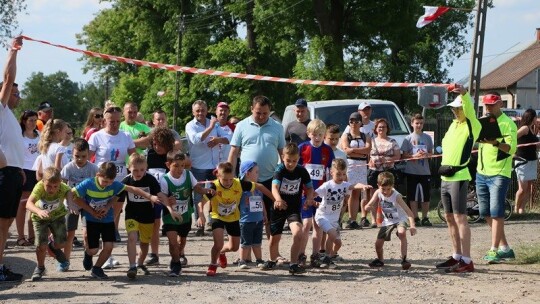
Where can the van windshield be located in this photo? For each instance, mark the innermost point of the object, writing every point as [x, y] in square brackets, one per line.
[340, 115]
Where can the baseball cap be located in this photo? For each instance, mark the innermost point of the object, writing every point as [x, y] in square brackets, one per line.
[364, 105]
[222, 104]
[245, 167]
[456, 103]
[490, 99]
[301, 102]
[355, 115]
[45, 106]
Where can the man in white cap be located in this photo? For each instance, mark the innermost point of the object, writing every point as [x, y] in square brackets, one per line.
[493, 176]
[296, 131]
[457, 145]
[45, 113]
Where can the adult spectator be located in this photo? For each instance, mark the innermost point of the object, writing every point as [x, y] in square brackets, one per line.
[357, 146]
[227, 128]
[93, 122]
[203, 137]
[261, 140]
[12, 145]
[457, 145]
[31, 140]
[368, 126]
[296, 130]
[45, 113]
[139, 132]
[159, 119]
[493, 175]
[526, 173]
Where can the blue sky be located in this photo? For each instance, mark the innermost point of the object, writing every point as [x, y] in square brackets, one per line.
[57, 21]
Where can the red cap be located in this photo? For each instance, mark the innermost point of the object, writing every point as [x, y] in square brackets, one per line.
[490, 99]
[222, 104]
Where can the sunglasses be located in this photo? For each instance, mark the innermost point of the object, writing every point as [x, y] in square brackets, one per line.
[354, 121]
[113, 110]
[98, 116]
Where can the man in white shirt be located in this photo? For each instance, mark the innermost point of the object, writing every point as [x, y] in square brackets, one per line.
[12, 145]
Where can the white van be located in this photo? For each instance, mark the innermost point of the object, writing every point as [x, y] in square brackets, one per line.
[338, 112]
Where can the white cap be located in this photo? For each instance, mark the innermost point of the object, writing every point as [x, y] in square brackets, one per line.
[456, 103]
[364, 105]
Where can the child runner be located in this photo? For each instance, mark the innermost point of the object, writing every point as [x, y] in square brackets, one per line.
[74, 173]
[392, 212]
[252, 218]
[139, 213]
[225, 213]
[47, 206]
[333, 193]
[287, 184]
[98, 195]
[176, 194]
[316, 157]
[331, 138]
[418, 145]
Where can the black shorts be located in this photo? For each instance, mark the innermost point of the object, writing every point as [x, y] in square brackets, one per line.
[279, 217]
[182, 229]
[11, 185]
[95, 230]
[372, 176]
[454, 196]
[233, 228]
[418, 188]
[31, 180]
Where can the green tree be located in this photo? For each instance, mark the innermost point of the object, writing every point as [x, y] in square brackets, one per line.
[9, 9]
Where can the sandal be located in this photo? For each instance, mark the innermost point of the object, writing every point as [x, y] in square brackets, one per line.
[23, 242]
[281, 260]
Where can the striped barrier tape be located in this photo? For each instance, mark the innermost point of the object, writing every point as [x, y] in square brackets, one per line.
[191, 70]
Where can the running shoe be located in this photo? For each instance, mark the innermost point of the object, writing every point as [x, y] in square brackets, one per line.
[153, 259]
[62, 267]
[222, 260]
[211, 272]
[302, 258]
[38, 274]
[77, 243]
[110, 263]
[492, 257]
[451, 262]
[426, 222]
[417, 222]
[376, 263]
[144, 270]
[461, 267]
[296, 269]
[176, 269]
[364, 222]
[269, 265]
[132, 272]
[87, 261]
[405, 265]
[242, 264]
[353, 225]
[506, 256]
[315, 261]
[6, 275]
[98, 273]
[260, 263]
[183, 260]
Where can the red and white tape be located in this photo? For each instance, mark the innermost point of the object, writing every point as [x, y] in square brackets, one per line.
[183, 69]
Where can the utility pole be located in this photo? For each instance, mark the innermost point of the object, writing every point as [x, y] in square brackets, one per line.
[178, 54]
[478, 50]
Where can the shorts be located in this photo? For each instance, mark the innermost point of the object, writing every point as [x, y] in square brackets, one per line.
[454, 196]
[527, 171]
[95, 230]
[356, 171]
[11, 184]
[491, 192]
[418, 188]
[372, 176]
[182, 230]
[145, 230]
[326, 224]
[280, 217]
[308, 212]
[31, 180]
[158, 208]
[72, 221]
[251, 234]
[232, 228]
[57, 228]
[386, 231]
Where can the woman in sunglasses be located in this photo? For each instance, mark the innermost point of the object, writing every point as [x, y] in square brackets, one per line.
[93, 122]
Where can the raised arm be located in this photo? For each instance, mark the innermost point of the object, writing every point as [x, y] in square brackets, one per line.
[10, 71]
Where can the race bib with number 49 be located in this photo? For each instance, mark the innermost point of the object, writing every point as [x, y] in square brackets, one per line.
[316, 172]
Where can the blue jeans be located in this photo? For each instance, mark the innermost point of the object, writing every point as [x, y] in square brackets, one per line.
[201, 175]
[491, 191]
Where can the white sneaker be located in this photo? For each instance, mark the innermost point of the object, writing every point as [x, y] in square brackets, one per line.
[110, 263]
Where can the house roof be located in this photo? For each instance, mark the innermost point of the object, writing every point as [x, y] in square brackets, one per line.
[510, 71]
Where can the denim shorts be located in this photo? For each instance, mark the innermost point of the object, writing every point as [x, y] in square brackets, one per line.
[251, 234]
[491, 191]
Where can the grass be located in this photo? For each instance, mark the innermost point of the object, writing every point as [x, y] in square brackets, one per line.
[528, 254]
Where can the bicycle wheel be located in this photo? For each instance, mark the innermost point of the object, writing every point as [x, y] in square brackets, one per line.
[473, 216]
[440, 211]
[508, 210]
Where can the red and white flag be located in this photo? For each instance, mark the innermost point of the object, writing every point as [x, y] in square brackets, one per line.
[432, 13]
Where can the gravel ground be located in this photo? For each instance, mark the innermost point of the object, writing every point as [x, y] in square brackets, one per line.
[353, 281]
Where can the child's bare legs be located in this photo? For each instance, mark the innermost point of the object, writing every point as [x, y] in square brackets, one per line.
[306, 227]
[257, 252]
[402, 234]
[174, 246]
[132, 246]
[379, 249]
[154, 242]
[20, 220]
[182, 244]
[117, 208]
[316, 238]
[103, 255]
[333, 242]
[323, 241]
[274, 247]
[69, 244]
[296, 230]
[217, 235]
[232, 245]
[363, 203]
[41, 252]
[414, 208]
[353, 204]
[244, 253]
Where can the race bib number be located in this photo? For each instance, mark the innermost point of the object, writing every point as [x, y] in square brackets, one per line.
[121, 171]
[390, 212]
[316, 172]
[132, 197]
[181, 206]
[48, 206]
[290, 186]
[97, 204]
[157, 172]
[336, 207]
[255, 204]
[224, 210]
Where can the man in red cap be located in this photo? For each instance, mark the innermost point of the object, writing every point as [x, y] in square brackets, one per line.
[227, 130]
[493, 177]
